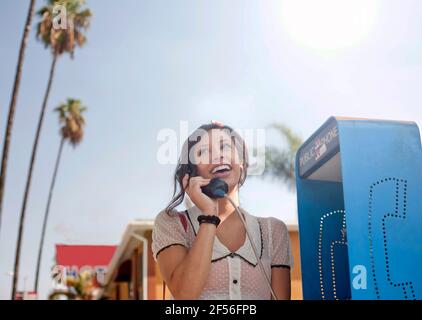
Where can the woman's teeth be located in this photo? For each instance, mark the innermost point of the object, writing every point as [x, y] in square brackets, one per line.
[220, 169]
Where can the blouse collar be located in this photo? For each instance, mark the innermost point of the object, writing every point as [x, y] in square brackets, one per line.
[220, 251]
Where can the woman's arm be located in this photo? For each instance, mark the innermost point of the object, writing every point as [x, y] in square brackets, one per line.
[280, 282]
[186, 271]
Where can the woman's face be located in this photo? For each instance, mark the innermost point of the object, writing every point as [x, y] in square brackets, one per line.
[216, 156]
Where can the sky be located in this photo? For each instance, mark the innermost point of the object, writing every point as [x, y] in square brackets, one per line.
[150, 64]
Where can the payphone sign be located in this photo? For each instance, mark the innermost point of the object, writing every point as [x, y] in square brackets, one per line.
[320, 148]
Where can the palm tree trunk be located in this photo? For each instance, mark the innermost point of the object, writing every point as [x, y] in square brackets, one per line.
[12, 106]
[47, 211]
[29, 178]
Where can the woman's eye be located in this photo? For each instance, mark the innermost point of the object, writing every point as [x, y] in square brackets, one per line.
[202, 151]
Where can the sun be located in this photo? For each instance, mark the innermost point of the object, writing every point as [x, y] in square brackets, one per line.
[328, 24]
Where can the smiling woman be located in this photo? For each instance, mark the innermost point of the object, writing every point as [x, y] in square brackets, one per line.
[211, 251]
[328, 24]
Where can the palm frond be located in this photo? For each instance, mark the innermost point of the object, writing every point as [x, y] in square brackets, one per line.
[72, 120]
[63, 40]
[280, 162]
[293, 139]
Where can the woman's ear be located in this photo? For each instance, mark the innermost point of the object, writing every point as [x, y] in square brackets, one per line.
[241, 172]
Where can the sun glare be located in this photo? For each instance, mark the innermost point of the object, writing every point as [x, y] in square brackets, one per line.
[328, 24]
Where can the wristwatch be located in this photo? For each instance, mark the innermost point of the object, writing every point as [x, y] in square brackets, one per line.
[209, 219]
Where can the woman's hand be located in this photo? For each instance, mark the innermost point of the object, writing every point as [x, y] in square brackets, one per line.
[192, 187]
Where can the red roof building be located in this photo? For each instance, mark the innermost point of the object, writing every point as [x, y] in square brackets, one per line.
[79, 256]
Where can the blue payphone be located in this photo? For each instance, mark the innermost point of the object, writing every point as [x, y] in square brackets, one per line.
[359, 192]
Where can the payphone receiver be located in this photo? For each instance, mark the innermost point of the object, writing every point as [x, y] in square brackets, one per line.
[217, 188]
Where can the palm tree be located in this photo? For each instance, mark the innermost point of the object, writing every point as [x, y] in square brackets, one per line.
[279, 162]
[70, 116]
[59, 41]
[13, 101]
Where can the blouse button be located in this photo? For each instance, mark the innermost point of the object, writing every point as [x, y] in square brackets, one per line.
[234, 281]
[232, 255]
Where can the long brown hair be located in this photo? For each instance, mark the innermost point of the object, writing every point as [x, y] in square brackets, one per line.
[185, 165]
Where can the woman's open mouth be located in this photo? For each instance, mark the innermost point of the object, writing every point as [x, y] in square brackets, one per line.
[221, 171]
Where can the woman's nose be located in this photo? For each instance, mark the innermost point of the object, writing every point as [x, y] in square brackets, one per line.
[216, 155]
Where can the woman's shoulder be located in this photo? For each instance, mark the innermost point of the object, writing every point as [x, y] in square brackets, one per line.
[170, 217]
[274, 224]
[270, 220]
[168, 230]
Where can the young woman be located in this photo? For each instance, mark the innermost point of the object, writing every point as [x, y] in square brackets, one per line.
[211, 257]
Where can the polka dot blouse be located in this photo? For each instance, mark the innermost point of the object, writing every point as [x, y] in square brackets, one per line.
[233, 275]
